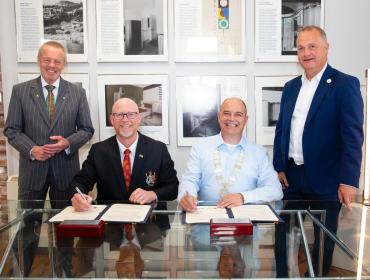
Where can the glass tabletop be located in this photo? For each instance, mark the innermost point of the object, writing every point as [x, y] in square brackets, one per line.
[165, 247]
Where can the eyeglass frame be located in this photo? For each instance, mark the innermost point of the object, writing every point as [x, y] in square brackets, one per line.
[121, 115]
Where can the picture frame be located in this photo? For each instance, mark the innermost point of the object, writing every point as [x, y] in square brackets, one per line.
[198, 100]
[38, 21]
[268, 92]
[277, 23]
[131, 30]
[209, 31]
[150, 92]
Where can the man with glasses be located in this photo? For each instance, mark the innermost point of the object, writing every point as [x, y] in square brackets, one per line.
[227, 167]
[127, 166]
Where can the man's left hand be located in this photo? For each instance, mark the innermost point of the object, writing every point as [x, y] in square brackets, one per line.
[231, 200]
[57, 147]
[346, 194]
[141, 196]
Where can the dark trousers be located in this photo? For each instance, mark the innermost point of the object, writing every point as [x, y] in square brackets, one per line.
[299, 195]
[26, 243]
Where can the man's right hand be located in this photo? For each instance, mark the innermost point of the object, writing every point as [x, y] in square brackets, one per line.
[80, 204]
[283, 180]
[39, 153]
[188, 203]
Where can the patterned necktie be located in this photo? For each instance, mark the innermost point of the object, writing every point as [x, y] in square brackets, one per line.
[50, 101]
[127, 169]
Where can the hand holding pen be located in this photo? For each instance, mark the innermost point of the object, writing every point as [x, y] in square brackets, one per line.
[80, 201]
[188, 202]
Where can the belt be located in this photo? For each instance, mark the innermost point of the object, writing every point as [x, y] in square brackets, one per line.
[291, 160]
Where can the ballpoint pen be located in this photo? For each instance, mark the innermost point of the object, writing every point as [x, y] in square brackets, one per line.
[81, 194]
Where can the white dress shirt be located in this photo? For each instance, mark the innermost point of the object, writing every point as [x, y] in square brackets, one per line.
[299, 116]
[132, 148]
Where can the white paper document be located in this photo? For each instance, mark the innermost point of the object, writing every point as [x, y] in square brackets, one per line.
[69, 213]
[260, 212]
[204, 214]
[126, 213]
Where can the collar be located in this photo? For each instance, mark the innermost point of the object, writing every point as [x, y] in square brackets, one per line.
[44, 83]
[132, 148]
[317, 77]
[220, 142]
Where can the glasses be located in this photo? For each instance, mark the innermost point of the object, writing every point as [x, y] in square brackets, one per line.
[129, 115]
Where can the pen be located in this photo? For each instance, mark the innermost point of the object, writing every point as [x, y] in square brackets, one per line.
[81, 194]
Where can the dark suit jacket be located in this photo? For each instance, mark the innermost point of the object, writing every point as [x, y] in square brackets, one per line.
[104, 167]
[333, 133]
[28, 125]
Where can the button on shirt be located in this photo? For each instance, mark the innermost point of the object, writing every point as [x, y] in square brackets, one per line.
[257, 180]
[299, 116]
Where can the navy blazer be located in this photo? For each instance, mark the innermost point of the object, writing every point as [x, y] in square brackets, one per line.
[333, 133]
[104, 167]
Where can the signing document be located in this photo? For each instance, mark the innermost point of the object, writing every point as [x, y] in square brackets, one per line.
[69, 213]
[204, 214]
[256, 213]
[129, 213]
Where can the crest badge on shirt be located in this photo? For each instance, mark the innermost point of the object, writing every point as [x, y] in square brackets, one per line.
[151, 177]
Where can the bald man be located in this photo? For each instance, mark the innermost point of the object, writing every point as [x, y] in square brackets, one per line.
[146, 174]
[227, 167]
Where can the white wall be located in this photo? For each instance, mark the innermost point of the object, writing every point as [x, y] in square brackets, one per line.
[346, 21]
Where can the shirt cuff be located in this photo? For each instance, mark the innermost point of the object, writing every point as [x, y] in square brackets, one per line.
[68, 151]
[31, 156]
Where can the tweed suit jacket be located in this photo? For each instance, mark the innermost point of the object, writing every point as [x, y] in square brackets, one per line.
[28, 125]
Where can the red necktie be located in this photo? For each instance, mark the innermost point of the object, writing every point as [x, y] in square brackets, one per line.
[127, 168]
[128, 231]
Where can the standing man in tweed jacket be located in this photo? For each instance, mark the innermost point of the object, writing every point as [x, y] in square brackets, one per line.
[48, 121]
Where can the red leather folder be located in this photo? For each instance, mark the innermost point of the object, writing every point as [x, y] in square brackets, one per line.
[80, 229]
[223, 227]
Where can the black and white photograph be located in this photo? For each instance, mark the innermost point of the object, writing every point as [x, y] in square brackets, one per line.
[143, 27]
[147, 97]
[294, 16]
[198, 102]
[277, 24]
[38, 21]
[268, 92]
[150, 92]
[132, 30]
[63, 22]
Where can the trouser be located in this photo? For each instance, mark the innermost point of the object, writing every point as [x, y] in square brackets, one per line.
[26, 243]
[299, 195]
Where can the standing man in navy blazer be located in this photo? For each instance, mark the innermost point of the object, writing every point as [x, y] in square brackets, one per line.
[319, 135]
[153, 176]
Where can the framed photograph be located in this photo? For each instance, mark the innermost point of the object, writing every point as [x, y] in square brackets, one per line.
[81, 80]
[209, 30]
[198, 102]
[277, 23]
[268, 91]
[38, 21]
[131, 30]
[150, 92]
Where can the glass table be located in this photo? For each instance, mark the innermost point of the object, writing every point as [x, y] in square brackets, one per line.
[165, 247]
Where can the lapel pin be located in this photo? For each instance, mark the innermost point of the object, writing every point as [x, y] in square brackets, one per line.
[141, 156]
[328, 81]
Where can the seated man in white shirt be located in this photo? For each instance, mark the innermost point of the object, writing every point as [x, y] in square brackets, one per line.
[227, 167]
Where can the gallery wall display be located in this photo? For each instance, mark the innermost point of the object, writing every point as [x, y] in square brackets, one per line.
[268, 92]
[277, 23]
[209, 30]
[198, 101]
[38, 21]
[150, 92]
[81, 80]
[131, 30]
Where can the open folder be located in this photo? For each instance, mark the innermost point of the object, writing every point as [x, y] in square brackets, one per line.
[126, 213]
[255, 212]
